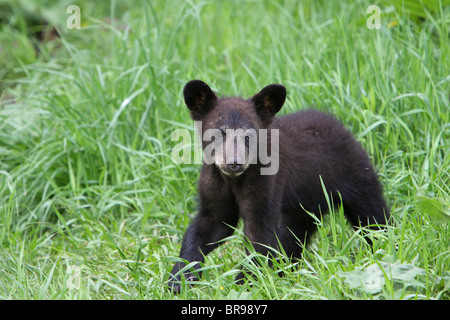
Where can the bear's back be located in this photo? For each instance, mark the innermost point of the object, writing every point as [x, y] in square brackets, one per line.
[313, 143]
[313, 129]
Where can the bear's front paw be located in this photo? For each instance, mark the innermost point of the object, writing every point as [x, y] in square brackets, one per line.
[175, 287]
[175, 282]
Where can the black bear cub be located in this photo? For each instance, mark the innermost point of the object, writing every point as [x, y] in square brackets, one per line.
[268, 170]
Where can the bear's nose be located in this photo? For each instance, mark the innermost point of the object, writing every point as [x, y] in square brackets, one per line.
[234, 166]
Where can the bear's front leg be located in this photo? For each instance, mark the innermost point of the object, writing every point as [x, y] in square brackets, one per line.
[260, 227]
[201, 238]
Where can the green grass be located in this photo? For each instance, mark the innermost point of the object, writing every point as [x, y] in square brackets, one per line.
[92, 206]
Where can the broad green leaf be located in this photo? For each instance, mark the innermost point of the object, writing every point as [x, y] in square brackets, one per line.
[434, 207]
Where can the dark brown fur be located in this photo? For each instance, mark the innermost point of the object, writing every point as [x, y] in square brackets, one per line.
[312, 145]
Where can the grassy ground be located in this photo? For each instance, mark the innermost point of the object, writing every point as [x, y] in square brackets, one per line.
[93, 207]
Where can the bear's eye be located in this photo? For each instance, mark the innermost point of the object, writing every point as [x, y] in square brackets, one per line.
[247, 141]
[223, 132]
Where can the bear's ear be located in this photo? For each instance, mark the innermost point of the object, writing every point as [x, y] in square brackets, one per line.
[269, 101]
[199, 98]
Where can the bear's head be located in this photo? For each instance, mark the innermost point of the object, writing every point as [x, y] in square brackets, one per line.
[232, 127]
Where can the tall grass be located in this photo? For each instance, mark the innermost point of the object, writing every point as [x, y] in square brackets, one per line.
[92, 206]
